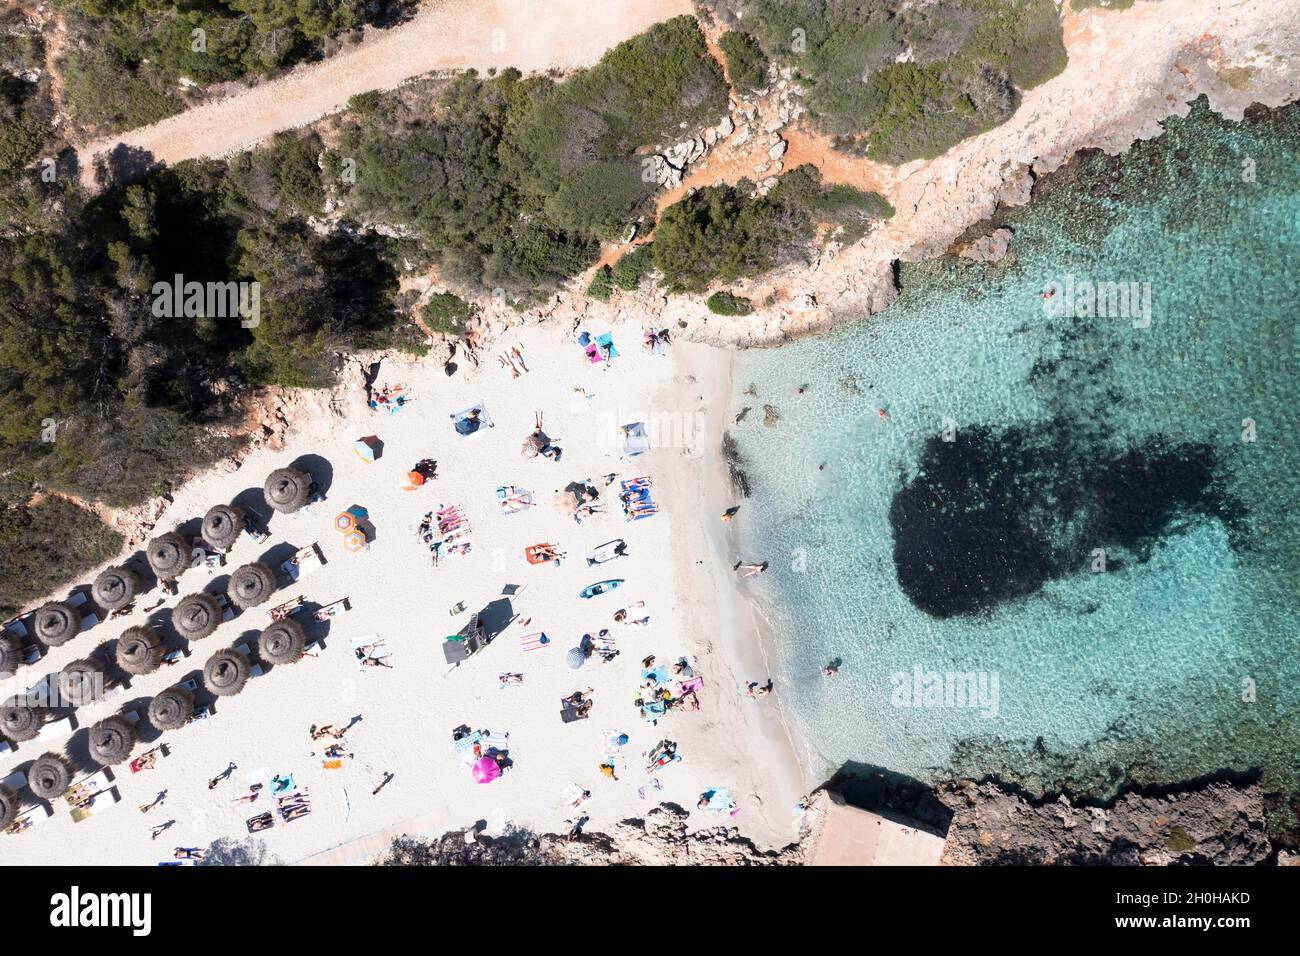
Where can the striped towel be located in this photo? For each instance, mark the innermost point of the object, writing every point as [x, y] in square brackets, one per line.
[497, 741]
[532, 642]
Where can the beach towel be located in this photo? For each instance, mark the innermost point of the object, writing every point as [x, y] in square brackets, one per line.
[499, 742]
[569, 713]
[331, 764]
[535, 641]
[281, 783]
[686, 686]
[659, 675]
[652, 710]
[606, 345]
[719, 799]
[263, 821]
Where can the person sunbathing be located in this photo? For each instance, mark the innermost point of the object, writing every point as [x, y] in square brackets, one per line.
[146, 761]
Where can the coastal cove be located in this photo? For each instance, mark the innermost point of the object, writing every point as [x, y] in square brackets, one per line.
[1086, 514]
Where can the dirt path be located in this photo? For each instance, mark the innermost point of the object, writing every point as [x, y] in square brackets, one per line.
[532, 35]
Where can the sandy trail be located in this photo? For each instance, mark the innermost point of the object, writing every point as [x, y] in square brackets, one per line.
[531, 35]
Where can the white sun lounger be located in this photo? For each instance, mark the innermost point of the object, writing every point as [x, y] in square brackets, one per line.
[30, 818]
[256, 669]
[98, 803]
[55, 730]
[304, 562]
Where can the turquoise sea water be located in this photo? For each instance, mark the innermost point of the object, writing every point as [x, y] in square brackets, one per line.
[966, 531]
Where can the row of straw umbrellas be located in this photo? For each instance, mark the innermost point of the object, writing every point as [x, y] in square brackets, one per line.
[197, 615]
[140, 649]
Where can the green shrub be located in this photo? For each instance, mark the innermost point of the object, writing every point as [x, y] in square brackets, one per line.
[968, 61]
[725, 303]
[633, 266]
[104, 93]
[1179, 840]
[602, 284]
[746, 61]
[724, 233]
[365, 104]
[446, 313]
[282, 177]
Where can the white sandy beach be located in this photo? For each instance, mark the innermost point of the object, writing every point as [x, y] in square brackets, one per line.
[408, 712]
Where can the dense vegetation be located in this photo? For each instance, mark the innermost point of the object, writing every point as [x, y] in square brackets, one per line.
[513, 183]
[25, 108]
[725, 233]
[127, 57]
[446, 313]
[908, 80]
[104, 394]
[746, 62]
[633, 266]
[45, 545]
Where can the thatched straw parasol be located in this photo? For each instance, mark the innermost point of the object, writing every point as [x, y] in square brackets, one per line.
[49, 777]
[251, 584]
[139, 650]
[169, 556]
[19, 720]
[286, 489]
[114, 588]
[226, 672]
[196, 616]
[112, 739]
[9, 806]
[56, 623]
[282, 642]
[11, 654]
[171, 709]
[81, 682]
[222, 526]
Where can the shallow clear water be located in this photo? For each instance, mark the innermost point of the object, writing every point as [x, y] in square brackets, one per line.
[961, 533]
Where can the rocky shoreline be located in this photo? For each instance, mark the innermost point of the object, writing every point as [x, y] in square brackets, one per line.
[1216, 823]
[1128, 71]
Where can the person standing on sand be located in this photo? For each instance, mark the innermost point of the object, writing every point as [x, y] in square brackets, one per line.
[212, 784]
[160, 829]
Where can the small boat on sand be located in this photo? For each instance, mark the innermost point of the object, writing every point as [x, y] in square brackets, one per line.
[607, 552]
[600, 587]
